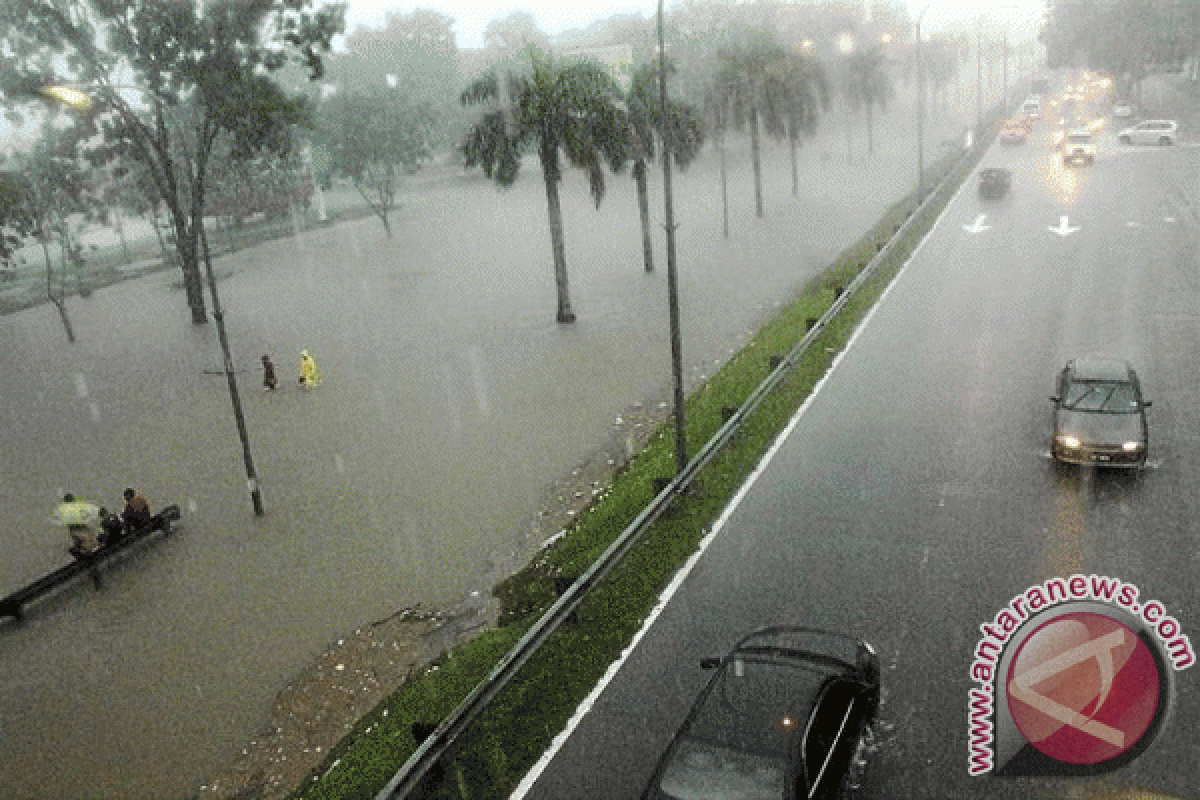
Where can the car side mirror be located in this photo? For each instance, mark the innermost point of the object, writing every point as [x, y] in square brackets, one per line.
[710, 663]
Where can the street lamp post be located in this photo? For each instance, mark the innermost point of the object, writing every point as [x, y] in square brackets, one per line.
[672, 286]
[921, 111]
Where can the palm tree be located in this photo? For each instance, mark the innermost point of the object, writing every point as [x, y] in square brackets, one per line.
[798, 87]
[683, 133]
[553, 106]
[868, 84]
[765, 84]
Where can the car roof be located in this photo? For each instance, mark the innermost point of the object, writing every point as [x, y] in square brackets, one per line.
[1100, 368]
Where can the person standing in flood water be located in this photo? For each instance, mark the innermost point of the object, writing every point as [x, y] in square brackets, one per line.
[270, 381]
[310, 376]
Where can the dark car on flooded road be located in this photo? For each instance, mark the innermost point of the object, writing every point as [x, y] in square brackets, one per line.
[787, 714]
[1099, 414]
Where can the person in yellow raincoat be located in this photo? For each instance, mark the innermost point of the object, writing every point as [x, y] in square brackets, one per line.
[310, 376]
[78, 516]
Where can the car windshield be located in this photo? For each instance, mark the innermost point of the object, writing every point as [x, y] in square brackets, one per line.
[1105, 397]
[738, 743]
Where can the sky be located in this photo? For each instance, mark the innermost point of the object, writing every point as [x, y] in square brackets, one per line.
[555, 16]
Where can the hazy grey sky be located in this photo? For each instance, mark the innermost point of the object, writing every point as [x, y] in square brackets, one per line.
[556, 16]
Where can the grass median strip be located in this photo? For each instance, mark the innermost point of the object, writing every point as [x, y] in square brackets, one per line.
[490, 758]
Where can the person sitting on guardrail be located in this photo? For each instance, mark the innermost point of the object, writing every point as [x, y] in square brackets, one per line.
[137, 511]
[111, 528]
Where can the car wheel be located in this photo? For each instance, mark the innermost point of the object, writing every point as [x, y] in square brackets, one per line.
[1165, 140]
[1124, 140]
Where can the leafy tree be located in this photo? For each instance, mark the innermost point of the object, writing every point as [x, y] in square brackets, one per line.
[59, 192]
[566, 107]
[1124, 38]
[515, 32]
[17, 220]
[682, 130]
[867, 84]
[419, 49]
[203, 65]
[370, 135]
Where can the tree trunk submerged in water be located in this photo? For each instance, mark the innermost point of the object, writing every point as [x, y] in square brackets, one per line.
[558, 243]
[643, 195]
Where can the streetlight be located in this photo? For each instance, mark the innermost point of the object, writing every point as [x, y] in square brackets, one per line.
[921, 110]
[672, 287]
[78, 100]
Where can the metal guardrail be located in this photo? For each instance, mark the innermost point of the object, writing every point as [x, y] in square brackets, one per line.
[436, 745]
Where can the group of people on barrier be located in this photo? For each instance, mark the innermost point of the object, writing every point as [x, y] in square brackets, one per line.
[81, 519]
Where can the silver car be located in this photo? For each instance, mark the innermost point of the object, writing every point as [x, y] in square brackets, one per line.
[1099, 414]
[1150, 131]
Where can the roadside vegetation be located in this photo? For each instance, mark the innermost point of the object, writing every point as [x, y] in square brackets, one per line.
[494, 754]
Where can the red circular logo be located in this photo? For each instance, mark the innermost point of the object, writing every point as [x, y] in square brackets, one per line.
[1083, 688]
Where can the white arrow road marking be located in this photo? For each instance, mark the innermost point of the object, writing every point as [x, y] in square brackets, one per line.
[978, 227]
[1063, 228]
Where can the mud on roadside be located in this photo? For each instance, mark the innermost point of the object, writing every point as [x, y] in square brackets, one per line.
[324, 701]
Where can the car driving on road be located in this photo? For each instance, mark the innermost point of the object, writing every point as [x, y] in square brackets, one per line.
[786, 715]
[1150, 131]
[1077, 147]
[1099, 414]
[1013, 133]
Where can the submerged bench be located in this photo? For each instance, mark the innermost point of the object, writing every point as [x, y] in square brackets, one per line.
[13, 604]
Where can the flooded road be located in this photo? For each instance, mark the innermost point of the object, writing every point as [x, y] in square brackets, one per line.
[451, 399]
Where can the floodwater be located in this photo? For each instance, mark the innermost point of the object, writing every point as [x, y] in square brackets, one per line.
[451, 399]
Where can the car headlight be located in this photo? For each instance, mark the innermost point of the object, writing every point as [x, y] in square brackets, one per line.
[1130, 447]
[1069, 441]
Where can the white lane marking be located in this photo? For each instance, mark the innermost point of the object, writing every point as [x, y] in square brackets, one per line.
[452, 409]
[978, 226]
[475, 356]
[586, 704]
[81, 387]
[1063, 228]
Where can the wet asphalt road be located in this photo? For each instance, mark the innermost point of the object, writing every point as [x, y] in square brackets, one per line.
[914, 499]
[451, 400]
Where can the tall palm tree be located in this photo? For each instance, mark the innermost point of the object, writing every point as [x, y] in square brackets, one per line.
[868, 84]
[553, 106]
[682, 131]
[798, 88]
[766, 86]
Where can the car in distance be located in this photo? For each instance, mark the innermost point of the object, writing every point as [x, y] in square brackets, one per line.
[994, 182]
[787, 714]
[1077, 147]
[1150, 131]
[1122, 111]
[1099, 414]
[1013, 133]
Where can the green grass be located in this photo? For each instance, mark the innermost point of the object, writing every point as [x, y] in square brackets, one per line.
[490, 758]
